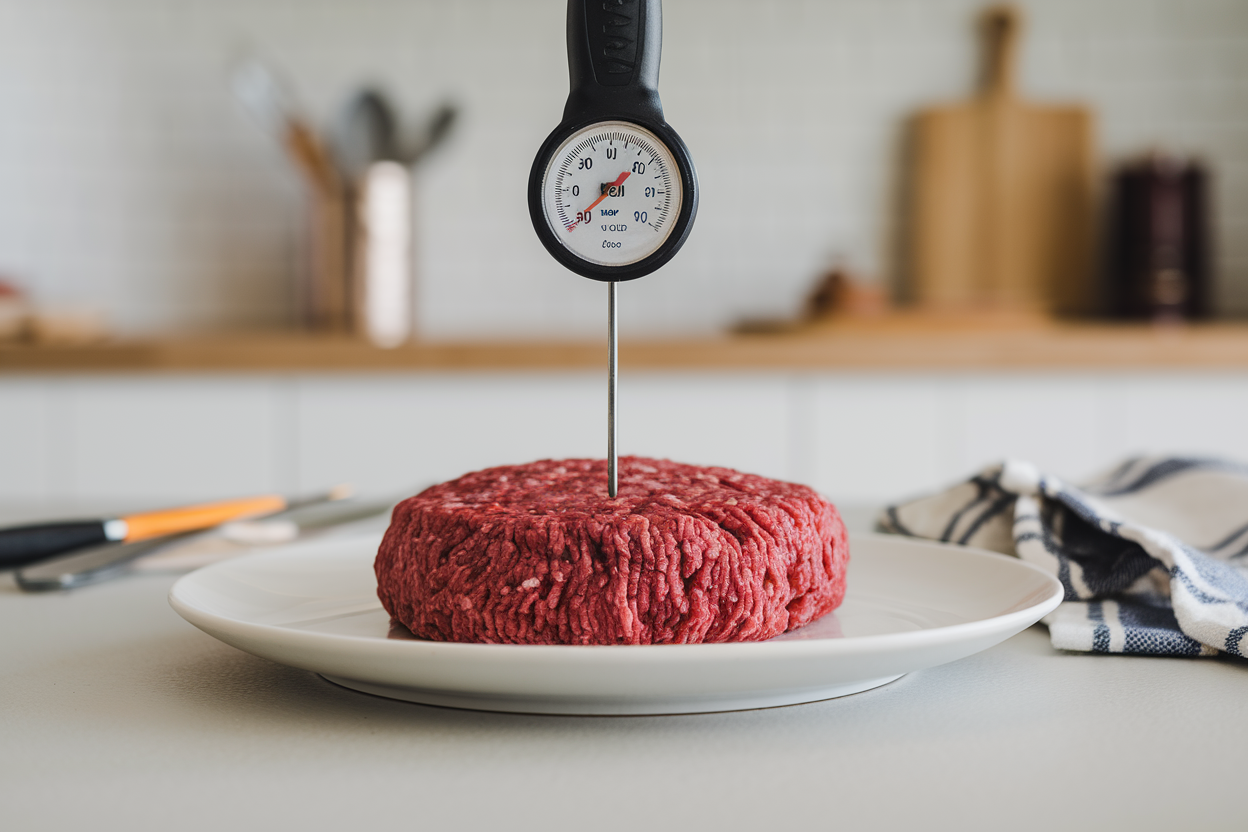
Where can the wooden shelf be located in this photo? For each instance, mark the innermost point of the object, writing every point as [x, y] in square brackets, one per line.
[891, 344]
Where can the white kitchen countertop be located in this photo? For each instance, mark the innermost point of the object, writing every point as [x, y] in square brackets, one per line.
[118, 714]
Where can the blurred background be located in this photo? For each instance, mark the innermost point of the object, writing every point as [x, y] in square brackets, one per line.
[137, 184]
[144, 196]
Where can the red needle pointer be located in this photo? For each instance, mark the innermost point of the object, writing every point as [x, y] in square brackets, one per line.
[619, 180]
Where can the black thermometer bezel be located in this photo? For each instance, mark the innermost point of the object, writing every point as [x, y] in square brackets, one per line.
[613, 62]
[682, 224]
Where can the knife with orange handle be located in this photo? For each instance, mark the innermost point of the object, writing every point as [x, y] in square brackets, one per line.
[22, 545]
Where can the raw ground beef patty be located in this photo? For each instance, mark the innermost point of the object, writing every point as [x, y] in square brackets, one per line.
[539, 554]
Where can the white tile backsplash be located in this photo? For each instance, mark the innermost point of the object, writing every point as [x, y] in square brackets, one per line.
[134, 183]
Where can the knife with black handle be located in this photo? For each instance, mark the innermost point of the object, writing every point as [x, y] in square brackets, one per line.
[104, 562]
[23, 545]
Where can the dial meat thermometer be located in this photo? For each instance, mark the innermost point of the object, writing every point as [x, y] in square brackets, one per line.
[613, 192]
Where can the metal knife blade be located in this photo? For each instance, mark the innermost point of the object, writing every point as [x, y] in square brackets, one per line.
[238, 538]
[183, 552]
[92, 565]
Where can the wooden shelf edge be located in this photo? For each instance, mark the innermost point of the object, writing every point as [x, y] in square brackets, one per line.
[851, 346]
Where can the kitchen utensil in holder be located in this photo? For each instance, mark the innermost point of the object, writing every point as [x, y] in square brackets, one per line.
[358, 271]
[381, 273]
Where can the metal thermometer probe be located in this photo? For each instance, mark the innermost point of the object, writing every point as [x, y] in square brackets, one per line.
[613, 474]
[612, 191]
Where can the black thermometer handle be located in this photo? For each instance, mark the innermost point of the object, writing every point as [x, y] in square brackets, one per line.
[613, 59]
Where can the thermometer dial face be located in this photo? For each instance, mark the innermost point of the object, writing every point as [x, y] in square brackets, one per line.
[612, 193]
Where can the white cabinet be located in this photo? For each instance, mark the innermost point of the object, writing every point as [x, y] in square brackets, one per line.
[860, 437]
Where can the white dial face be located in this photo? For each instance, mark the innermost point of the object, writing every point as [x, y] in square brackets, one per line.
[612, 193]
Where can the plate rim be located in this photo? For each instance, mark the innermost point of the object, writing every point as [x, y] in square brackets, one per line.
[845, 646]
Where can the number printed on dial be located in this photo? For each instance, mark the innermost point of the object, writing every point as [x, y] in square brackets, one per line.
[612, 193]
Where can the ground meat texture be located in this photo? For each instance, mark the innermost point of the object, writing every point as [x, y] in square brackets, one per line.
[539, 554]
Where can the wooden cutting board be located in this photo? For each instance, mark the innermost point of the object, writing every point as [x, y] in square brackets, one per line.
[1002, 195]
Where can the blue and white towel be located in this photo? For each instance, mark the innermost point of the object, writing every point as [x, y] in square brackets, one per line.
[1153, 554]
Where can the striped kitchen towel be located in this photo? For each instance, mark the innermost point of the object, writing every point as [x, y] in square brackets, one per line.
[1153, 554]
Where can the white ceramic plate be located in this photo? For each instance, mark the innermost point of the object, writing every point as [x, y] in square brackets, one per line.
[910, 605]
